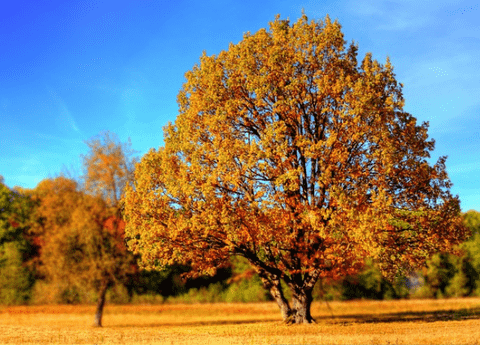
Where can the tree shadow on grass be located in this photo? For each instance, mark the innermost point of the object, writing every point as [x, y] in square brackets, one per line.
[218, 322]
[410, 316]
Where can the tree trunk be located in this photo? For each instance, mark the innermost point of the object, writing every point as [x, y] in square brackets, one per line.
[277, 294]
[272, 284]
[301, 288]
[301, 304]
[100, 305]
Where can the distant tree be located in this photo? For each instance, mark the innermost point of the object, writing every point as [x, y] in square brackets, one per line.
[82, 240]
[472, 221]
[455, 274]
[16, 247]
[108, 167]
[54, 226]
[469, 270]
[288, 153]
[466, 280]
[81, 226]
[440, 270]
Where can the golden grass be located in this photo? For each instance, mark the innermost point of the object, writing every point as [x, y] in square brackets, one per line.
[451, 321]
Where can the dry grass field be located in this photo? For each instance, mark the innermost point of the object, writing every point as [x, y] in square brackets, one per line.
[451, 321]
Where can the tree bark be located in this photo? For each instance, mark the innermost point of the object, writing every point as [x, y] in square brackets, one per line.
[100, 305]
[272, 284]
[301, 288]
[301, 304]
[299, 312]
[277, 293]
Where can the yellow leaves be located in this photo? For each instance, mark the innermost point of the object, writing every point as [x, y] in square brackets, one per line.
[285, 149]
[108, 167]
[82, 239]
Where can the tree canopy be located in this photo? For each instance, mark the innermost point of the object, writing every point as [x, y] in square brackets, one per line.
[290, 153]
[108, 167]
[82, 239]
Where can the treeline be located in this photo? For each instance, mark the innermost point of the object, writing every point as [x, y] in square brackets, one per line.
[63, 242]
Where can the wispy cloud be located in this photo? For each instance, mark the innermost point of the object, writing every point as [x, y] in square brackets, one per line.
[64, 140]
[31, 165]
[64, 114]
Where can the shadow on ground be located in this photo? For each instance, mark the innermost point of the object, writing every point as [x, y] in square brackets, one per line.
[218, 322]
[411, 316]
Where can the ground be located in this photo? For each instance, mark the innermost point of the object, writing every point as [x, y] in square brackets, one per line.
[451, 321]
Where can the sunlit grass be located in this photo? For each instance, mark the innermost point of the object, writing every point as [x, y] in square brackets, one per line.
[452, 321]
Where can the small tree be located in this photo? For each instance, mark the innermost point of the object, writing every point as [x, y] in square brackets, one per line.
[82, 228]
[288, 153]
[82, 241]
[108, 167]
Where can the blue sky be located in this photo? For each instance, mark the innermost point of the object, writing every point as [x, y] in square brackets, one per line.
[70, 69]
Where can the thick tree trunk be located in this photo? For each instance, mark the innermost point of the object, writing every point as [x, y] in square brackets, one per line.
[301, 304]
[301, 287]
[100, 305]
[299, 312]
[277, 294]
[272, 284]
[302, 299]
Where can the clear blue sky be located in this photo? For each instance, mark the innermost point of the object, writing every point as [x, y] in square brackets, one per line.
[70, 69]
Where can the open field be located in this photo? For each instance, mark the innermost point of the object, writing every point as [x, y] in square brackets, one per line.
[452, 321]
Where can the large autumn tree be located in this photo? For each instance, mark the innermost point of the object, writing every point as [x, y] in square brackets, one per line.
[288, 152]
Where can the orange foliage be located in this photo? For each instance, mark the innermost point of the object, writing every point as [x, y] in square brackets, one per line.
[108, 167]
[289, 153]
[81, 240]
[116, 228]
